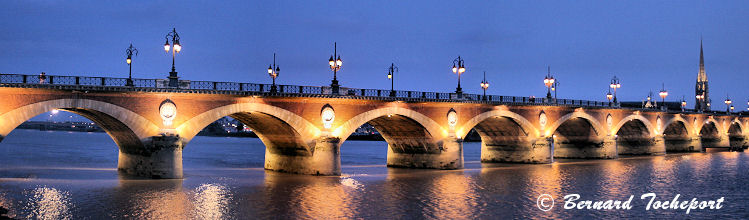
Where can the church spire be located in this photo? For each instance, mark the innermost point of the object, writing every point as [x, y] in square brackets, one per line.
[702, 76]
[701, 90]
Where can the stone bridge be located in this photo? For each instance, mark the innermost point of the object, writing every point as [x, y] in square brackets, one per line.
[303, 130]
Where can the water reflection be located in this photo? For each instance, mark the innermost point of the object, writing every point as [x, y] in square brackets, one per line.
[493, 191]
[151, 199]
[616, 176]
[48, 203]
[314, 197]
[451, 196]
[211, 201]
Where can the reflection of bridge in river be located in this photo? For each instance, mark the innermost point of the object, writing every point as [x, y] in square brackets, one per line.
[303, 127]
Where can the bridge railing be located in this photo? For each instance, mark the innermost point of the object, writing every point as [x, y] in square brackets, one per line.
[287, 89]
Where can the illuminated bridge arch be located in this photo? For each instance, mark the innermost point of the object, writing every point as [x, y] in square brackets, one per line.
[521, 121]
[432, 128]
[128, 129]
[677, 121]
[595, 125]
[648, 126]
[278, 128]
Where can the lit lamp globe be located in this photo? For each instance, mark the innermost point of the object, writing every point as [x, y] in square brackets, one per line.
[452, 118]
[168, 111]
[328, 115]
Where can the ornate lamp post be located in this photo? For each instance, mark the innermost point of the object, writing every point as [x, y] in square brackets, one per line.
[728, 104]
[273, 72]
[609, 96]
[335, 65]
[173, 79]
[129, 52]
[683, 104]
[484, 86]
[391, 74]
[663, 93]
[554, 87]
[548, 81]
[459, 68]
[615, 85]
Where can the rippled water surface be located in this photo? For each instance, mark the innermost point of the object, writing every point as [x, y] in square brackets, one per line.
[62, 175]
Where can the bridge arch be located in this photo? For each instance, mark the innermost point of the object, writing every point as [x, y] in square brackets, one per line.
[413, 139]
[128, 129]
[710, 123]
[629, 119]
[636, 135]
[279, 129]
[526, 125]
[595, 124]
[506, 137]
[736, 128]
[347, 128]
[678, 134]
[580, 135]
[678, 121]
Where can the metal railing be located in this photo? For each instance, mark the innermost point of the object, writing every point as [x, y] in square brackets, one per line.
[287, 90]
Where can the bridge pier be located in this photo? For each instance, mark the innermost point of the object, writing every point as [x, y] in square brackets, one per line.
[642, 146]
[536, 151]
[449, 157]
[325, 160]
[737, 142]
[721, 141]
[605, 149]
[689, 144]
[160, 158]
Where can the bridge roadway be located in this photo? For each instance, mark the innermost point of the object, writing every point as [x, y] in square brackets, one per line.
[303, 127]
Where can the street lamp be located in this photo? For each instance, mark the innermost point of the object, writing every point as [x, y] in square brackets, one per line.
[615, 85]
[129, 52]
[548, 81]
[173, 79]
[391, 73]
[484, 86]
[663, 93]
[609, 96]
[459, 68]
[273, 72]
[728, 104]
[335, 63]
[683, 104]
[554, 87]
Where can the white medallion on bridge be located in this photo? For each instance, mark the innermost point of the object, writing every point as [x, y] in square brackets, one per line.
[328, 115]
[609, 121]
[168, 111]
[452, 118]
[542, 120]
[658, 124]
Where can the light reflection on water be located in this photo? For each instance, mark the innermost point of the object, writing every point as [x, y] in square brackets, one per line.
[211, 201]
[48, 203]
[79, 182]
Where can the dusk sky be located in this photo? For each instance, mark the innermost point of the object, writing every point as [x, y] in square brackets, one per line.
[645, 43]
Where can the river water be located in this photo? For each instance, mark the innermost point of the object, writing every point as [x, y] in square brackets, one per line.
[72, 175]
